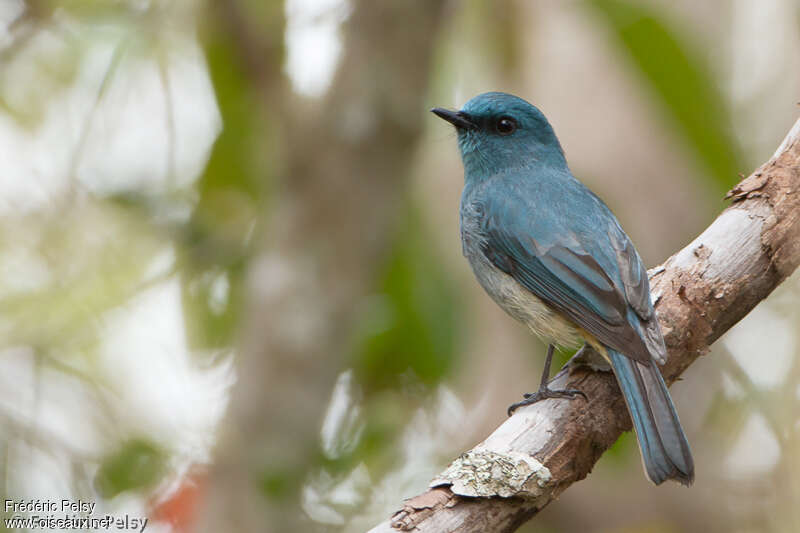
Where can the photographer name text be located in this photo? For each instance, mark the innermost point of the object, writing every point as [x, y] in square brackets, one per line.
[49, 506]
[65, 515]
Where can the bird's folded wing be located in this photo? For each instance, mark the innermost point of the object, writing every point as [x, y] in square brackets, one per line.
[569, 279]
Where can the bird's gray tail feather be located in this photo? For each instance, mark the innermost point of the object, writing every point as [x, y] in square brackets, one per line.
[665, 451]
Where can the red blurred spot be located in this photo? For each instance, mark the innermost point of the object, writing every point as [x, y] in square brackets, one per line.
[180, 510]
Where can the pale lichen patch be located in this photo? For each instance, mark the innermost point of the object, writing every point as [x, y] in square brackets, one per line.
[483, 473]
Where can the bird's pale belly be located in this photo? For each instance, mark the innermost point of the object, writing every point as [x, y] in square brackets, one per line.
[521, 304]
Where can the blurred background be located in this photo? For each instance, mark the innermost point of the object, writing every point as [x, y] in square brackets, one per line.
[232, 294]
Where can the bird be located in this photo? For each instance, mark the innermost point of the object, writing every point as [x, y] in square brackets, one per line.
[551, 254]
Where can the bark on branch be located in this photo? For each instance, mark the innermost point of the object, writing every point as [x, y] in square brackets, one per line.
[699, 293]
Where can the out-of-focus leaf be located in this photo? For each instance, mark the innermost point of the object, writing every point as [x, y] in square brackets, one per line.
[386, 415]
[85, 8]
[42, 70]
[138, 464]
[408, 329]
[622, 449]
[674, 71]
[73, 289]
[218, 236]
[561, 356]
[277, 484]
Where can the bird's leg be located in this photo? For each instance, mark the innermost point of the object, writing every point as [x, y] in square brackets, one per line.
[544, 392]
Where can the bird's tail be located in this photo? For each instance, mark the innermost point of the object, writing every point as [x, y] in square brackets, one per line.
[665, 451]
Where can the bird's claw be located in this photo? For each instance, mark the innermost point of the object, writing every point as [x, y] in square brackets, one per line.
[543, 394]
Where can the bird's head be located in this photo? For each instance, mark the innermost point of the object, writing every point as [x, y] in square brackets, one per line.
[499, 131]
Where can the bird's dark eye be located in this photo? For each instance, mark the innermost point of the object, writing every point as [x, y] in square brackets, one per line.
[506, 126]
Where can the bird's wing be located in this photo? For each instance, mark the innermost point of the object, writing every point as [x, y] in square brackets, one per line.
[564, 274]
[637, 290]
[632, 272]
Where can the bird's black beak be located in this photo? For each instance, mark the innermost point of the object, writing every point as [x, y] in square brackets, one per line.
[459, 119]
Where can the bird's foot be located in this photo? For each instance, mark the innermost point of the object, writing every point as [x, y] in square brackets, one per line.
[543, 394]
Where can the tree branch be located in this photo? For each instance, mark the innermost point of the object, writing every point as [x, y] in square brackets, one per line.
[699, 293]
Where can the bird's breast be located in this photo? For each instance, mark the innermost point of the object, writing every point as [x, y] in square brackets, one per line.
[512, 297]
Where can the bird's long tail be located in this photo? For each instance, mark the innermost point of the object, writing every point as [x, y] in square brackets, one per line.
[665, 451]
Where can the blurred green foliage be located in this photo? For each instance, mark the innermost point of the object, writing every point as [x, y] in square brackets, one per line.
[622, 450]
[410, 325]
[680, 83]
[405, 343]
[279, 484]
[137, 464]
[61, 311]
[217, 238]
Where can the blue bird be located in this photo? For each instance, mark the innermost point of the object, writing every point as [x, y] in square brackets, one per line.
[553, 256]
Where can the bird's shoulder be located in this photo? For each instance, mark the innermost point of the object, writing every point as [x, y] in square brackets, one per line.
[550, 204]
